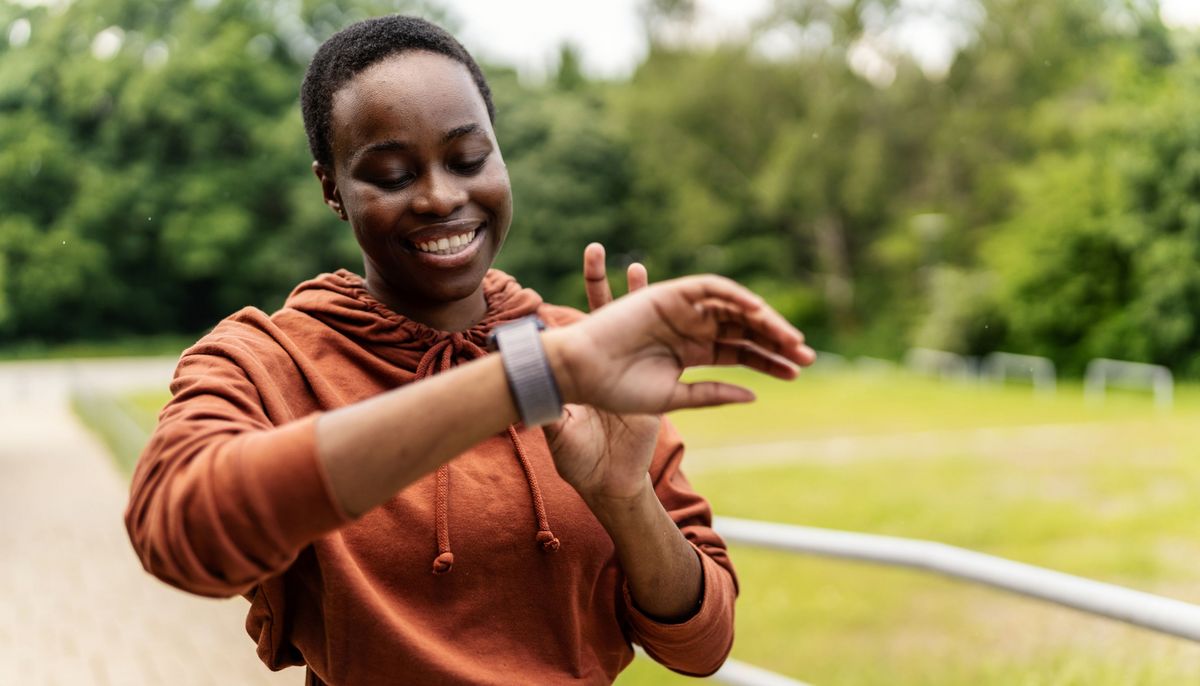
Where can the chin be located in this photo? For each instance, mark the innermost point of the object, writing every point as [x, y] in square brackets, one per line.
[451, 289]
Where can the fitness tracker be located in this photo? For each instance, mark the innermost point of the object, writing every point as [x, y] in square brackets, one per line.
[529, 375]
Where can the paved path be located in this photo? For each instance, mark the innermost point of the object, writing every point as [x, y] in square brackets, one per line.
[75, 606]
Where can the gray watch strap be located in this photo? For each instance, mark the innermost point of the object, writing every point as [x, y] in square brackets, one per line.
[529, 375]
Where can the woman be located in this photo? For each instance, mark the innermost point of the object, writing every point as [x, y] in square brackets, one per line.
[321, 460]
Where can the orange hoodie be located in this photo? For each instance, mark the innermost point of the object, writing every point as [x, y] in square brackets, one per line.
[230, 498]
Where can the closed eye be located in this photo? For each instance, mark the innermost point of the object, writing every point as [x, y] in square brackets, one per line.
[393, 182]
[469, 166]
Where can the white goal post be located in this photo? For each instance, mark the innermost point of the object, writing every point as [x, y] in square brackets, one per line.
[1102, 373]
[939, 363]
[999, 366]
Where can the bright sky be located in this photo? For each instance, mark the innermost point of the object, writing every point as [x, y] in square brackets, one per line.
[1181, 12]
[527, 33]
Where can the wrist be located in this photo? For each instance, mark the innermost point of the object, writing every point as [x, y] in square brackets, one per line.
[558, 355]
[616, 509]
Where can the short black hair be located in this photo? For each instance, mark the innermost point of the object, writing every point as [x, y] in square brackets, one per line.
[360, 45]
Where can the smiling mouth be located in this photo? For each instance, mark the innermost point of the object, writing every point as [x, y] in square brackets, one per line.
[450, 245]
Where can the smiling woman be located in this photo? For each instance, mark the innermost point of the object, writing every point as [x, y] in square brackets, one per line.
[416, 166]
[305, 458]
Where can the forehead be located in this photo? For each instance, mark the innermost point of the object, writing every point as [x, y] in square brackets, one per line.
[413, 96]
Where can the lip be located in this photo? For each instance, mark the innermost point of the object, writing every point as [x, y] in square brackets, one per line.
[445, 230]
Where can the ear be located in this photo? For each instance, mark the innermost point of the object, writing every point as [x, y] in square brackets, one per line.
[333, 197]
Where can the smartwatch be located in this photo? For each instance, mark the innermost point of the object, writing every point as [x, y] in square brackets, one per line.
[529, 375]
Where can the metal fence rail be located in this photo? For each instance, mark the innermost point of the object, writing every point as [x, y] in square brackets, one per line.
[736, 673]
[1164, 615]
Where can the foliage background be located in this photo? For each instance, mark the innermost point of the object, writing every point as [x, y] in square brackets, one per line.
[1040, 196]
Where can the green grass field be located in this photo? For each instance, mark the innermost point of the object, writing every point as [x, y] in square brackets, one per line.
[1111, 493]
[166, 344]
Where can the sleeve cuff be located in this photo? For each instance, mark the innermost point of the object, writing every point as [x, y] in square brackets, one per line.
[699, 644]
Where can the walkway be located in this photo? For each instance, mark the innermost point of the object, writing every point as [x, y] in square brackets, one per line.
[75, 605]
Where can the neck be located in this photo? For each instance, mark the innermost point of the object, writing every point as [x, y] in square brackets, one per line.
[455, 315]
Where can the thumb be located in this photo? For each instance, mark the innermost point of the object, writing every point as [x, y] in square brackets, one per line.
[707, 394]
[556, 427]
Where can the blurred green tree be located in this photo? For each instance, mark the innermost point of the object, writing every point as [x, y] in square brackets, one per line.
[1099, 255]
[571, 176]
[155, 170]
[1038, 195]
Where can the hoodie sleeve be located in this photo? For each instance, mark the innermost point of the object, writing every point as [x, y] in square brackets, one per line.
[698, 645]
[222, 498]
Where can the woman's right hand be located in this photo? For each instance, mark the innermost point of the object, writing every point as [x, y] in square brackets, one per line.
[628, 356]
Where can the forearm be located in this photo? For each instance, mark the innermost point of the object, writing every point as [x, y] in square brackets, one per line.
[373, 449]
[663, 572]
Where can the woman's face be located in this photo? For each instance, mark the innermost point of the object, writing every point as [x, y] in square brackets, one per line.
[418, 174]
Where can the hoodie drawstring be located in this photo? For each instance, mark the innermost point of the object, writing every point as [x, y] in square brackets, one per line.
[444, 352]
[545, 536]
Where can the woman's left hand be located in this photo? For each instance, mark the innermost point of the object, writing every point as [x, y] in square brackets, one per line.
[603, 455]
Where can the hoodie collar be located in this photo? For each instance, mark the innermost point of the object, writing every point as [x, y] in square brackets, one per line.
[341, 301]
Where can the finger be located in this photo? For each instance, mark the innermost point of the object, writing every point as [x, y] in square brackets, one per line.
[711, 286]
[808, 355]
[734, 331]
[802, 354]
[764, 327]
[595, 277]
[637, 277]
[728, 354]
[707, 394]
[556, 427]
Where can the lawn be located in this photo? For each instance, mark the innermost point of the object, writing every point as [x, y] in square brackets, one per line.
[1109, 493]
[166, 344]
[1105, 492]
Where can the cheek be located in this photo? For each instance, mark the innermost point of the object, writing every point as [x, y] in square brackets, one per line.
[495, 194]
[372, 214]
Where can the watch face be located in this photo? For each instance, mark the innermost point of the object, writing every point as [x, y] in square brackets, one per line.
[493, 342]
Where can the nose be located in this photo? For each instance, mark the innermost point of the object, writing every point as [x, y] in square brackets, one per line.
[439, 193]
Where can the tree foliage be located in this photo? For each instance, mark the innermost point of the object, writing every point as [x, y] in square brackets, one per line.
[1042, 195]
[154, 166]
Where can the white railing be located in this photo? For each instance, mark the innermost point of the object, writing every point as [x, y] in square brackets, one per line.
[1164, 615]
[737, 673]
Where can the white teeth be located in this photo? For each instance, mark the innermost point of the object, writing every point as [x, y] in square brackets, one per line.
[447, 246]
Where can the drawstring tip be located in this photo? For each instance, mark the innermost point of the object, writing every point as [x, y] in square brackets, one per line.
[444, 563]
[548, 540]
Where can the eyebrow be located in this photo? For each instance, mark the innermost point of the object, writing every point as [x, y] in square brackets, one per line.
[460, 131]
[393, 144]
